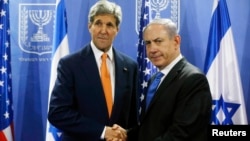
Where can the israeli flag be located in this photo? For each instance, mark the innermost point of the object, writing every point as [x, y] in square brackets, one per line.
[222, 71]
[60, 49]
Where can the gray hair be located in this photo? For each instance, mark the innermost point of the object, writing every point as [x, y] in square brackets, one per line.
[169, 25]
[105, 7]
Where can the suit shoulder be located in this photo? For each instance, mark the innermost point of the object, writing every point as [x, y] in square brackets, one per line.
[74, 55]
[187, 69]
[125, 57]
[70, 56]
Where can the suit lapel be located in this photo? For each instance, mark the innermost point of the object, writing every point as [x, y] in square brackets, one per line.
[120, 74]
[88, 59]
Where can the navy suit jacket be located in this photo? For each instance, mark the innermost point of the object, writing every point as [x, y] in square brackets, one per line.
[77, 104]
[180, 109]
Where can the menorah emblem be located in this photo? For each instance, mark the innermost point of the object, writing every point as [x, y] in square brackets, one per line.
[158, 6]
[158, 9]
[40, 18]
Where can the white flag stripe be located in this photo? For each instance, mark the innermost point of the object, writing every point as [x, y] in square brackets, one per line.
[49, 136]
[233, 78]
[215, 4]
[224, 78]
[61, 51]
[223, 67]
[8, 133]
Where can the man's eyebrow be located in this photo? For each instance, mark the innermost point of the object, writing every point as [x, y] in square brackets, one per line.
[158, 38]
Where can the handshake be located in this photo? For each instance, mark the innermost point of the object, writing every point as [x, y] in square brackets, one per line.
[115, 133]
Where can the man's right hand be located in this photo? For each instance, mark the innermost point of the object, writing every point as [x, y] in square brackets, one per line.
[115, 133]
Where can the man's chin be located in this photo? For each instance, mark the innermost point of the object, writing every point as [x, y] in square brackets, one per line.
[103, 48]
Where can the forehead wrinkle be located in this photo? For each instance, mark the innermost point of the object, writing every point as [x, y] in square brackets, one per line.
[155, 39]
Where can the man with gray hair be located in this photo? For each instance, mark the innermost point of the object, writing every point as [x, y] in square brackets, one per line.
[94, 96]
[179, 107]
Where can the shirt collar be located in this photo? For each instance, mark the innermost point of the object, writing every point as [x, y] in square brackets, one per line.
[98, 53]
[167, 69]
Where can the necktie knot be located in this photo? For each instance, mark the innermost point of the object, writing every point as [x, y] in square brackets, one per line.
[104, 56]
[159, 75]
[153, 87]
[104, 67]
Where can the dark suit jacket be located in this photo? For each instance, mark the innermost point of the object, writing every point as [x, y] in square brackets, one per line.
[180, 109]
[77, 104]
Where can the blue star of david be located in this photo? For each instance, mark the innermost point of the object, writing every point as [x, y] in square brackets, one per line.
[54, 131]
[228, 109]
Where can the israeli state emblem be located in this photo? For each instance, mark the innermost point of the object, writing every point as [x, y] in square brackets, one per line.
[36, 23]
[158, 9]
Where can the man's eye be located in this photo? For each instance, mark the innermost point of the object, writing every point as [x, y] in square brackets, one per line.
[146, 42]
[110, 25]
[98, 23]
[158, 41]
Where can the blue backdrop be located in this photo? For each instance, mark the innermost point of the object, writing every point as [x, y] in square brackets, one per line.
[31, 55]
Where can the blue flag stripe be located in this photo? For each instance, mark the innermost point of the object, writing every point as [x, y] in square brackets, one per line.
[220, 20]
[61, 25]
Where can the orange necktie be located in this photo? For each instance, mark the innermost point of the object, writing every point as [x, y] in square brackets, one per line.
[106, 83]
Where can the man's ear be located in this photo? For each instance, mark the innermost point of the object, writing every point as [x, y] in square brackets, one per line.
[177, 39]
[117, 30]
[89, 25]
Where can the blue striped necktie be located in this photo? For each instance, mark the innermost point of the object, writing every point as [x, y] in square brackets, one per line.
[153, 87]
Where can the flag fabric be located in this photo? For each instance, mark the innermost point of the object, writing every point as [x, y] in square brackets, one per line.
[6, 109]
[221, 68]
[61, 49]
[146, 68]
